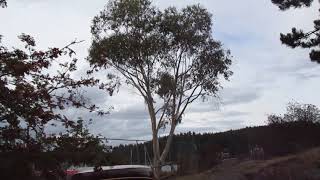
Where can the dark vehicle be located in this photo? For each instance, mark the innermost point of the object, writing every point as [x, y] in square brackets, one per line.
[124, 172]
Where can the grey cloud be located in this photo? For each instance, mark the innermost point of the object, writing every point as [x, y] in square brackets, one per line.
[132, 121]
[240, 95]
[132, 113]
[301, 71]
[229, 114]
[211, 105]
[306, 76]
[229, 124]
[229, 96]
[290, 68]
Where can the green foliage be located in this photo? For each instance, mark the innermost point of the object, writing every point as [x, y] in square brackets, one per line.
[300, 38]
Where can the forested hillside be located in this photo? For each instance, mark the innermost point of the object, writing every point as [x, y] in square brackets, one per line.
[189, 149]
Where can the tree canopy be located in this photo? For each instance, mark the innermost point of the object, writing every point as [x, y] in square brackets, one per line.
[297, 112]
[36, 86]
[300, 38]
[31, 93]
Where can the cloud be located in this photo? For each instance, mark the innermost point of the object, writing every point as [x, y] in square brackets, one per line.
[240, 95]
[234, 114]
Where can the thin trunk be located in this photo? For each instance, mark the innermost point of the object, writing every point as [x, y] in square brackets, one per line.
[168, 143]
[156, 155]
[156, 167]
[155, 141]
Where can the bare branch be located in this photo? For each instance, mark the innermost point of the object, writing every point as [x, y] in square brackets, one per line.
[189, 100]
[163, 111]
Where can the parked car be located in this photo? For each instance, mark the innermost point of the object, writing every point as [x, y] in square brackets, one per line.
[123, 172]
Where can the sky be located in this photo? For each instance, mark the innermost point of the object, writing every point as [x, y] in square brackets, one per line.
[267, 75]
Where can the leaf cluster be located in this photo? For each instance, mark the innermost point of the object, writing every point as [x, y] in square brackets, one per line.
[33, 94]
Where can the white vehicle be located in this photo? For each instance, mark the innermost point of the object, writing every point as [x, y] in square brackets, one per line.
[122, 172]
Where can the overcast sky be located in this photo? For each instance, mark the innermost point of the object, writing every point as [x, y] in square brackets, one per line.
[267, 75]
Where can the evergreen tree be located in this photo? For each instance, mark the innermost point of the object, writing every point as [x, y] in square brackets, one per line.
[300, 38]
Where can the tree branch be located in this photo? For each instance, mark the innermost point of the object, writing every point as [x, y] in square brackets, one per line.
[190, 101]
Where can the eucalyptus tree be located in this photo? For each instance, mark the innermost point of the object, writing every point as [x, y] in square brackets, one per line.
[169, 56]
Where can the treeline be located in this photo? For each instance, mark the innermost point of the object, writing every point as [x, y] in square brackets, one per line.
[76, 147]
[298, 129]
[276, 140]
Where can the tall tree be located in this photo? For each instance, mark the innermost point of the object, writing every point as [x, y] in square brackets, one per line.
[300, 38]
[35, 86]
[169, 57]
